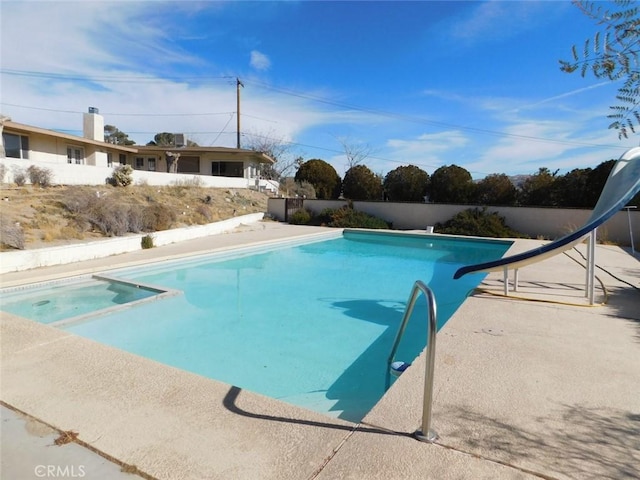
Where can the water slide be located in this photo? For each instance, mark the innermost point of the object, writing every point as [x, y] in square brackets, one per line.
[621, 186]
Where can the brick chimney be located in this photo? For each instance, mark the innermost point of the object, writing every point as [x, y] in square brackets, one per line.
[93, 125]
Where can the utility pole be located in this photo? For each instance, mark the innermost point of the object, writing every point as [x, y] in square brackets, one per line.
[238, 85]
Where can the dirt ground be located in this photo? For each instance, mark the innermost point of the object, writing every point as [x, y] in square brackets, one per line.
[60, 215]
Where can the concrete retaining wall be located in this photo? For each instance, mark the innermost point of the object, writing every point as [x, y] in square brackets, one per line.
[536, 222]
[15, 261]
[70, 174]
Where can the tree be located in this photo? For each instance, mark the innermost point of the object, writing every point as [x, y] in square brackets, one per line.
[322, 176]
[360, 183]
[166, 139]
[406, 184]
[356, 153]
[539, 190]
[299, 189]
[595, 183]
[613, 54]
[172, 159]
[116, 137]
[571, 188]
[451, 184]
[277, 148]
[495, 189]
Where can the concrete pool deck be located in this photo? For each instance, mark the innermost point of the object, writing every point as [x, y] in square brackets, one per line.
[523, 390]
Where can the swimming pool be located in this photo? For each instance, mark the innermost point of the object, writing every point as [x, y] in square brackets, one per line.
[310, 324]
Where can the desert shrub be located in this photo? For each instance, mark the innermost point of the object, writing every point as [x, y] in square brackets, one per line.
[146, 242]
[19, 177]
[290, 188]
[348, 217]
[12, 234]
[158, 217]
[478, 222]
[78, 201]
[122, 176]
[205, 212]
[109, 217]
[135, 219]
[179, 186]
[40, 176]
[300, 217]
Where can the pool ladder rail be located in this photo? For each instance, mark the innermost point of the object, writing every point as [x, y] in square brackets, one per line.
[425, 434]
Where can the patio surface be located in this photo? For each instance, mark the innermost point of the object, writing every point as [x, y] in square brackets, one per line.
[523, 390]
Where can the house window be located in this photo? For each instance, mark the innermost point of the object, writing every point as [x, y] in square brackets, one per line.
[139, 163]
[15, 146]
[123, 159]
[151, 164]
[227, 169]
[188, 164]
[75, 155]
[109, 159]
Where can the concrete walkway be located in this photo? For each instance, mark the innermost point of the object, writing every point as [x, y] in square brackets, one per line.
[523, 390]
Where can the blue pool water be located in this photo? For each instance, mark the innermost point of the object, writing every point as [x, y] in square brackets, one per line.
[311, 324]
[53, 303]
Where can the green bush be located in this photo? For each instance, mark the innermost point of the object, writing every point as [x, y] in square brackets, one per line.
[146, 242]
[478, 222]
[347, 217]
[122, 176]
[300, 217]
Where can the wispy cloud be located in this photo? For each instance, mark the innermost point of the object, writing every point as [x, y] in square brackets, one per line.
[259, 60]
[429, 150]
[563, 95]
[499, 19]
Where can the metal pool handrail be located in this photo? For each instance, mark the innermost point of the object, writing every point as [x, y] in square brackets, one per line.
[425, 434]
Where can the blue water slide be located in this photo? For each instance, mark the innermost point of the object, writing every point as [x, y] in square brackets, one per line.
[622, 185]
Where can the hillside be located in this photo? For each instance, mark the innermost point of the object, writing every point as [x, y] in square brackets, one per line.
[42, 217]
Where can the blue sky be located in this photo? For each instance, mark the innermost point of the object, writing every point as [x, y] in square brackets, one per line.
[476, 84]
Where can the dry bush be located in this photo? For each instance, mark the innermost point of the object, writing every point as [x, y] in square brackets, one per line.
[205, 212]
[110, 217]
[158, 217]
[135, 219]
[12, 234]
[40, 176]
[19, 177]
[79, 201]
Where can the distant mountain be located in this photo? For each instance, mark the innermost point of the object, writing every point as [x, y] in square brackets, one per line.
[518, 180]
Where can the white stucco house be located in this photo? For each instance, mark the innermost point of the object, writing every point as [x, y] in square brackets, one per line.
[89, 160]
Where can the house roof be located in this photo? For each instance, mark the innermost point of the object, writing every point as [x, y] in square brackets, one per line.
[251, 154]
[152, 149]
[22, 128]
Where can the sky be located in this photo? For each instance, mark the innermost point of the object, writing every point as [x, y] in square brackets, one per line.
[425, 83]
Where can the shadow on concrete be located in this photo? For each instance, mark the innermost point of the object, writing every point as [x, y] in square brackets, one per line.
[623, 303]
[230, 399]
[585, 443]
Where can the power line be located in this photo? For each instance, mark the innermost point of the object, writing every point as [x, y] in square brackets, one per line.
[293, 93]
[422, 120]
[111, 78]
[284, 91]
[75, 112]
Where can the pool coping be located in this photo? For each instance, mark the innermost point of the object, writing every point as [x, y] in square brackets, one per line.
[172, 424]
